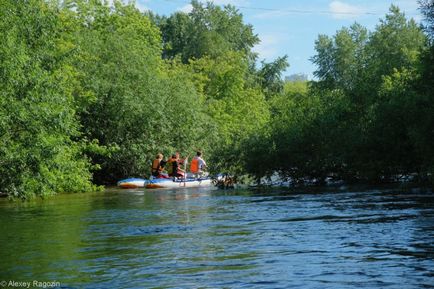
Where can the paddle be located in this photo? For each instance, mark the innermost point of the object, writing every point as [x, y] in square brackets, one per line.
[185, 168]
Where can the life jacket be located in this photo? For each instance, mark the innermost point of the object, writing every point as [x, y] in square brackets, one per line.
[170, 166]
[156, 166]
[194, 166]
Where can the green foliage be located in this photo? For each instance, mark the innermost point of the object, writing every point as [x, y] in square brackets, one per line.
[237, 109]
[395, 44]
[143, 105]
[39, 151]
[86, 87]
[208, 30]
[368, 117]
[427, 9]
[339, 59]
[270, 75]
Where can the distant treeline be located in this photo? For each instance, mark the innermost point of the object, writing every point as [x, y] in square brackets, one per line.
[368, 117]
[90, 93]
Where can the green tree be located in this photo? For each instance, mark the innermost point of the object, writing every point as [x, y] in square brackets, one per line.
[143, 105]
[395, 44]
[425, 102]
[270, 75]
[208, 30]
[340, 59]
[40, 151]
[364, 118]
[427, 9]
[237, 109]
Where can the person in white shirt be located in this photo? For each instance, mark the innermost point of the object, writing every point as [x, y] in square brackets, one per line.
[197, 165]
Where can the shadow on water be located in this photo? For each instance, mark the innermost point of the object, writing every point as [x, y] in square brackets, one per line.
[210, 238]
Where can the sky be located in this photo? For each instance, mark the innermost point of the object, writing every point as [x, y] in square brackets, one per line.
[290, 27]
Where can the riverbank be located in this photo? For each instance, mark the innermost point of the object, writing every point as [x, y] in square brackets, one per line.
[275, 184]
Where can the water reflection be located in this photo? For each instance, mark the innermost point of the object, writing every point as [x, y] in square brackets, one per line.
[208, 238]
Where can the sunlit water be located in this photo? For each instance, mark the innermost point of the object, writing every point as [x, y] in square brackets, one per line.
[222, 239]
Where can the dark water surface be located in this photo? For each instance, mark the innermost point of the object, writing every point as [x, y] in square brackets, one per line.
[222, 239]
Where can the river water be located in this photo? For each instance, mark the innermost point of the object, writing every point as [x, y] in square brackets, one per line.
[221, 239]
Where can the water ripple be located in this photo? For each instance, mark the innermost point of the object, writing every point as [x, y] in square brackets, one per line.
[223, 239]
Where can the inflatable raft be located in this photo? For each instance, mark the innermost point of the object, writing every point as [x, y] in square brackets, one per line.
[180, 183]
[133, 183]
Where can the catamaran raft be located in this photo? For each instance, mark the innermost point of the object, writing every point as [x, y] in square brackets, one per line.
[133, 183]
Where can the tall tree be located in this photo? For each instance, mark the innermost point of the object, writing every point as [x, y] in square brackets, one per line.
[424, 132]
[208, 30]
[340, 58]
[143, 105]
[395, 44]
[427, 8]
[237, 109]
[270, 75]
[363, 118]
[39, 149]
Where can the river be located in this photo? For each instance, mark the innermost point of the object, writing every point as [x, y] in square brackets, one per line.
[221, 239]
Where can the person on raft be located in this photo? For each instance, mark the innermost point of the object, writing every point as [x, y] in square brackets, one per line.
[158, 167]
[197, 165]
[174, 166]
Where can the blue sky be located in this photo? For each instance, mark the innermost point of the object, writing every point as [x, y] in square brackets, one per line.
[291, 26]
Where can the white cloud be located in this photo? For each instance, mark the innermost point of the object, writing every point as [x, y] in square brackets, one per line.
[341, 10]
[140, 4]
[186, 9]
[267, 48]
[337, 9]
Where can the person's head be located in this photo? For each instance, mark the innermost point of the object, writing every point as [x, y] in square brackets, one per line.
[159, 156]
[198, 154]
[174, 156]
